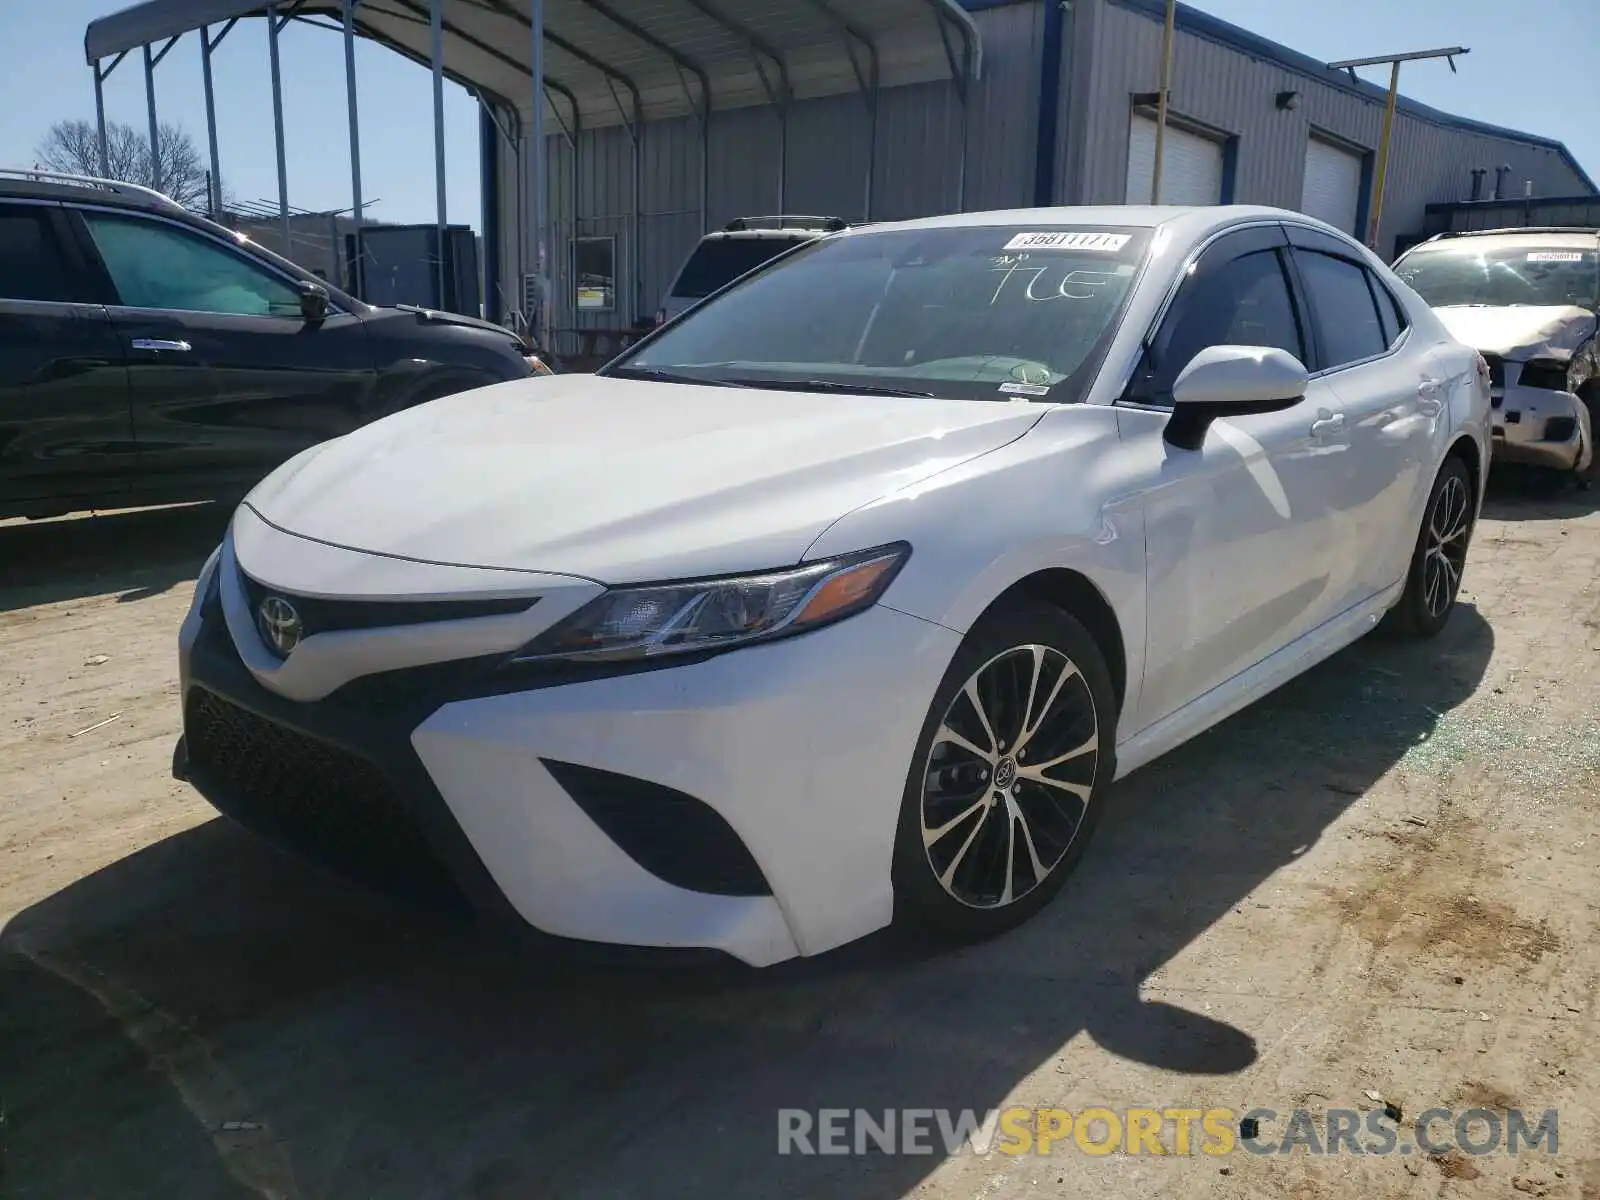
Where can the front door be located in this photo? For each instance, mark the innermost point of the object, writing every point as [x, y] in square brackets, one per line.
[66, 437]
[1242, 536]
[227, 378]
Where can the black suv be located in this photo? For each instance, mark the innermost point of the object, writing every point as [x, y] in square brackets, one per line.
[148, 355]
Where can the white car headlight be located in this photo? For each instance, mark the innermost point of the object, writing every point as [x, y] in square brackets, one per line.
[633, 623]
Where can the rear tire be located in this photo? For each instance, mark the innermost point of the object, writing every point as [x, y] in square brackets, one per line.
[1005, 788]
[1434, 579]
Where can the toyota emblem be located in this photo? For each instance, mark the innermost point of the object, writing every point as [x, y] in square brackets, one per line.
[280, 625]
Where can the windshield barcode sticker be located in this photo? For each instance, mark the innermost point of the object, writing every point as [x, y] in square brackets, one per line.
[1555, 256]
[1104, 243]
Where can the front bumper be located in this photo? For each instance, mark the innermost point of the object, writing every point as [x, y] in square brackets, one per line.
[1542, 428]
[745, 803]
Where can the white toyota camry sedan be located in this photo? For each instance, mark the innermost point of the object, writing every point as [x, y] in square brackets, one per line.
[842, 599]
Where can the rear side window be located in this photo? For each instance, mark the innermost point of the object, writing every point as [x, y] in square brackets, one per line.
[1390, 311]
[717, 262]
[32, 265]
[1348, 326]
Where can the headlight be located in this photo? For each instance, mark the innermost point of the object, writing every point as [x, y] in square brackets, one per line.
[713, 614]
[537, 365]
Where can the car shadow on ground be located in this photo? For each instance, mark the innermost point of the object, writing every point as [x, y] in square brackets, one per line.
[205, 1018]
[135, 553]
[1520, 493]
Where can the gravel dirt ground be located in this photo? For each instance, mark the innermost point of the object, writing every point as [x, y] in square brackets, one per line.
[1378, 882]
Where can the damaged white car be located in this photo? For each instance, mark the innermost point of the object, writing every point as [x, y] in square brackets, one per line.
[1526, 299]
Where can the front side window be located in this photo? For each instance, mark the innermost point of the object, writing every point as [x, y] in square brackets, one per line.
[155, 265]
[986, 312]
[32, 266]
[1458, 273]
[1348, 328]
[1245, 301]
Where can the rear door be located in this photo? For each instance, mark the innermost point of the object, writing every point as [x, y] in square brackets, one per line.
[1391, 396]
[227, 379]
[65, 432]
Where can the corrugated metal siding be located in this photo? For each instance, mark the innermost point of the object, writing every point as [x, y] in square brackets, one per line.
[917, 168]
[921, 145]
[1232, 91]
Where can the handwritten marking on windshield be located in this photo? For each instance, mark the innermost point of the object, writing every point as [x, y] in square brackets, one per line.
[1076, 284]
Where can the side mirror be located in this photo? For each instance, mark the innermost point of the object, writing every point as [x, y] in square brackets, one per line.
[313, 300]
[1232, 381]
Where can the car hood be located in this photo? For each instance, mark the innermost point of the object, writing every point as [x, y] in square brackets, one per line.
[1520, 332]
[622, 480]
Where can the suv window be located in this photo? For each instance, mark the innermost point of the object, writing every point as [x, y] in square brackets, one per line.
[1244, 302]
[1348, 326]
[32, 266]
[718, 261]
[156, 265]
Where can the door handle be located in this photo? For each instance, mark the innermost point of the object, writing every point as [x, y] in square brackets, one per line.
[1328, 426]
[162, 344]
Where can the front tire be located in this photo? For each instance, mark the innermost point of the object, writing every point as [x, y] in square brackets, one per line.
[1004, 791]
[1434, 578]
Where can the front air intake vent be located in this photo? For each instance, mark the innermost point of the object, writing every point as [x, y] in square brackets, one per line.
[678, 839]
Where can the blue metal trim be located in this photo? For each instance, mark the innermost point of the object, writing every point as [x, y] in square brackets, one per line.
[1044, 157]
[1230, 167]
[1369, 161]
[1204, 25]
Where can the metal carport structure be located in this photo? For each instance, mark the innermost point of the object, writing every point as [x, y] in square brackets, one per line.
[538, 66]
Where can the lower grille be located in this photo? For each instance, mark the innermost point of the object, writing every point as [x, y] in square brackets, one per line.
[315, 799]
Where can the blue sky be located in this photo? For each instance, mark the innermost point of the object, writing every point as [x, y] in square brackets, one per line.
[1534, 72]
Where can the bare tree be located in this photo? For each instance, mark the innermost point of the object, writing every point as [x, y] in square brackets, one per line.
[74, 146]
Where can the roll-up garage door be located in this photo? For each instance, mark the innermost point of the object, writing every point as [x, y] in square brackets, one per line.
[1332, 191]
[1192, 173]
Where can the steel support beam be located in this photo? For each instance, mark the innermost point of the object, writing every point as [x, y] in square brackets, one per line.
[273, 26]
[867, 80]
[685, 64]
[780, 94]
[537, 170]
[436, 58]
[100, 109]
[150, 110]
[357, 206]
[214, 191]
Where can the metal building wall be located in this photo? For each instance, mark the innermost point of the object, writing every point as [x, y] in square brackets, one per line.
[1230, 90]
[917, 169]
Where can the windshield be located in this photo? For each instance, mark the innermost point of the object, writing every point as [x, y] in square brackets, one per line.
[1506, 275]
[719, 261]
[986, 312]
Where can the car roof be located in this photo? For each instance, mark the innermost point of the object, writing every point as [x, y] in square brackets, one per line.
[1185, 222]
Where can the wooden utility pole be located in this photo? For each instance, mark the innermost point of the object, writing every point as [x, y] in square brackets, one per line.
[1392, 61]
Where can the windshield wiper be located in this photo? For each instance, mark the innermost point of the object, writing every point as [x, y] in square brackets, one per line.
[659, 376]
[828, 385]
